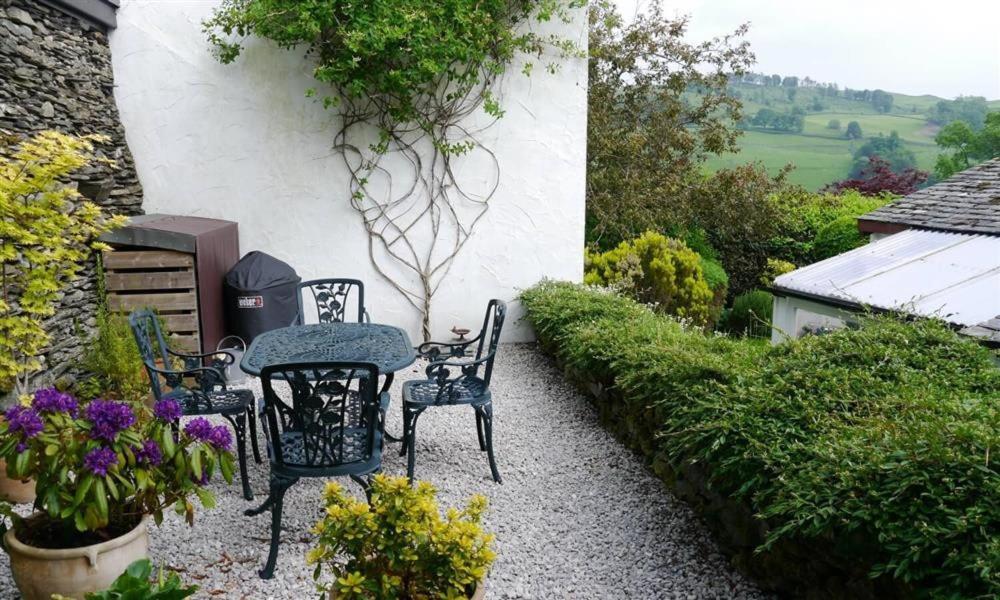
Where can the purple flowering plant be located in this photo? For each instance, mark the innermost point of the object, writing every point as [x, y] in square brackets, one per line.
[106, 462]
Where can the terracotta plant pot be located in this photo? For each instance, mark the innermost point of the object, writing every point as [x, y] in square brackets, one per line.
[73, 572]
[13, 490]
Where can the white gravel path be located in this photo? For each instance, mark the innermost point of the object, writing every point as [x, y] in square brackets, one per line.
[578, 515]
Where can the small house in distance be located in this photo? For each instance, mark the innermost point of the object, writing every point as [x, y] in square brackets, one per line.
[934, 253]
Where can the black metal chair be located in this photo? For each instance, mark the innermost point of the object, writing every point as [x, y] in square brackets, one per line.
[468, 384]
[209, 394]
[331, 300]
[334, 426]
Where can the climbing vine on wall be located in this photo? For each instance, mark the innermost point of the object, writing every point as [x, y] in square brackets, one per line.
[407, 77]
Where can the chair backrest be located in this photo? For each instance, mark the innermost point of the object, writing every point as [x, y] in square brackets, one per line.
[333, 415]
[489, 337]
[330, 300]
[152, 346]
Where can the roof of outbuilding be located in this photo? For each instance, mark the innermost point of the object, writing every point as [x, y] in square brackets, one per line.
[951, 276]
[987, 331]
[967, 202]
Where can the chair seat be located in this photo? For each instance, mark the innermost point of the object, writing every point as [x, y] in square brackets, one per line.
[353, 462]
[467, 390]
[218, 402]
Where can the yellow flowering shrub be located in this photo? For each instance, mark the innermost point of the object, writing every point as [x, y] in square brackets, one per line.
[655, 269]
[400, 545]
[775, 268]
[46, 232]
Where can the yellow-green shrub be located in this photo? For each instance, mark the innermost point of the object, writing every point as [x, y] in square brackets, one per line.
[657, 270]
[775, 268]
[46, 233]
[398, 546]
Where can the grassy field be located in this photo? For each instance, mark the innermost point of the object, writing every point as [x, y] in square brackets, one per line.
[822, 155]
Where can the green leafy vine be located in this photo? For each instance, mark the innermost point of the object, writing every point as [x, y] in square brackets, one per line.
[406, 77]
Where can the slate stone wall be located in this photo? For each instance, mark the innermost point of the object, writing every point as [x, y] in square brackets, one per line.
[55, 73]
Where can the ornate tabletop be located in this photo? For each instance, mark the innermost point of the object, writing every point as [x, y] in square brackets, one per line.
[387, 346]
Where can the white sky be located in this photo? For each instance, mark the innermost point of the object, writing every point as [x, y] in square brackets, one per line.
[945, 48]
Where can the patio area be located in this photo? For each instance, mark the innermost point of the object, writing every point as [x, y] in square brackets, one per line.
[578, 515]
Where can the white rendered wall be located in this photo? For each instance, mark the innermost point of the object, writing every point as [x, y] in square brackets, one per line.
[792, 316]
[242, 142]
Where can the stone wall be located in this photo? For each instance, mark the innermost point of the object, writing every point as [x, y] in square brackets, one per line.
[55, 73]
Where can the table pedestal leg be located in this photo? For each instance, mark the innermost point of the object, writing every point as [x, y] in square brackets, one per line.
[385, 388]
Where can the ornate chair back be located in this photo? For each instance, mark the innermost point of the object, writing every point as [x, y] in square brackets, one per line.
[152, 346]
[330, 300]
[334, 417]
[489, 337]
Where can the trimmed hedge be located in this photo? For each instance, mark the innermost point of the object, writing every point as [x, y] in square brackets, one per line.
[851, 464]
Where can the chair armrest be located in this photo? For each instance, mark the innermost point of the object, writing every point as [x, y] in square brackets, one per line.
[438, 370]
[435, 350]
[229, 359]
[208, 377]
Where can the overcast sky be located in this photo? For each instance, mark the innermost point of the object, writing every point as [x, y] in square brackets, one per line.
[945, 48]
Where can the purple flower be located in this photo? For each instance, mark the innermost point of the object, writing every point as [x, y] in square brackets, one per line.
[149, 453]
[108, 418]
[200, 429]
[23, 420]
[167, 410]
[220, 437]
[51, 400]
[99, 460]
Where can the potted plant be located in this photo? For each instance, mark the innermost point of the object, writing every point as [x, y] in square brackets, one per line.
[398, 545]
[102, 469]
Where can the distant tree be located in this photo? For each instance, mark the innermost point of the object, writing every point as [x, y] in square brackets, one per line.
[971, 109]
[854, 131]
[790, 92]
[765, 117]
[790, 81]
[888, 147]
[648, 136]
[770, 119]
[817, 105]
[882, 101]
[833, 124]
[966, 146]
[878, 177]
[775, 80]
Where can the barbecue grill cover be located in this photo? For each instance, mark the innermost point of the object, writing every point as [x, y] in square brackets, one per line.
[260, 295]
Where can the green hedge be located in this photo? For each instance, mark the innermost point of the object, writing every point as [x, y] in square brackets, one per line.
[869, 449]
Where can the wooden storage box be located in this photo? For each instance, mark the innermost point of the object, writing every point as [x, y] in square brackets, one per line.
[174, 265]
[163, 280]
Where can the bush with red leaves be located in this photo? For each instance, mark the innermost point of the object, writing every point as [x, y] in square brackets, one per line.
[878, 178]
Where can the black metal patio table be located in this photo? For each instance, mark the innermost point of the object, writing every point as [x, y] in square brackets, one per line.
[387, 346]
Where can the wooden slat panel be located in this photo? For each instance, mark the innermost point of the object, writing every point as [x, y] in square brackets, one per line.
[170, 301]
[181, 323]
[163, 280]
[189, 343]
[146, 259]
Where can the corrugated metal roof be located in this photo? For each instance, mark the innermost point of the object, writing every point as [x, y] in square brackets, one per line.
[952, 276]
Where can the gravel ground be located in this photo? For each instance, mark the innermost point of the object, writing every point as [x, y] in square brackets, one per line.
[578, 515]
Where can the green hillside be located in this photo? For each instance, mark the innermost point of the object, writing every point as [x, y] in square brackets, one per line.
[822, 155]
